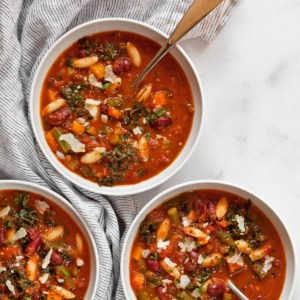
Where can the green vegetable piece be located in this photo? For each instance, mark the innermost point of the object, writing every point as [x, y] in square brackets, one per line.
[63, 144]
[225, 238]
[86, 171]
[143, 295]
[65, 271]
[173, 214]
[105, 86]
[257, 268]
[184, 296]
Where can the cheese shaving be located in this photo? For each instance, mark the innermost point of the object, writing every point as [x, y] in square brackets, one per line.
[109, 74]
[47, 259]
[21, 233]
[137, 130]
[186, 222]
[79, 262]
[188, 245]
[163, 245]
[241, 223]
[236, 259]
[4, 212]
[93, 81]
[184, 282]
[91, 106]
[44, 278]
[267, 263]
[41, 206]
[146, 253]
[168, 261]
[10, 286]
[60, 155]
[2, 269]
[75, 145]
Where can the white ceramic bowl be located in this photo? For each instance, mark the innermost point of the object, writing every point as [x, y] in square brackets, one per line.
[66, 206]
[101, 26]
[290, 280]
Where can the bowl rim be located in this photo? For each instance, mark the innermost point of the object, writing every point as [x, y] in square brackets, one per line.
[134, 189]
[94, 251]
[221, 184]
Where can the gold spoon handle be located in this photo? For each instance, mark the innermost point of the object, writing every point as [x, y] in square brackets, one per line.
[196, 13]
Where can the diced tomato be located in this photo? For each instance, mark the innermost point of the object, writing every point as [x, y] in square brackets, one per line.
[11, 251]
[85, 139]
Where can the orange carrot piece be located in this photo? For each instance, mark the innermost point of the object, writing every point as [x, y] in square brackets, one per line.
[77, 128]
[51, 95]
[160, 98]
[98, 70]
[51, 141]
[52, 296]
[137, 252]
[115, 113]
[91, 130]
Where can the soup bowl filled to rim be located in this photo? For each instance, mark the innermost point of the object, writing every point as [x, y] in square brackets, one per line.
[181, 136]
[178, 246]
[46, 246]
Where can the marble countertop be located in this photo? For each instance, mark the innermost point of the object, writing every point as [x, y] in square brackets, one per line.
[251, 80]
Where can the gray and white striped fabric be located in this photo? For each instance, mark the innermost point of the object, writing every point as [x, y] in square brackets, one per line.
[27, 29]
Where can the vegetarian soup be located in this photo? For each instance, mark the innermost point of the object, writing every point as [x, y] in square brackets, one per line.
[191, 245]
[43, 253]
[102, 129]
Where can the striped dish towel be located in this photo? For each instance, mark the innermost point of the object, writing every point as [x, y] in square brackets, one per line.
[27, 29]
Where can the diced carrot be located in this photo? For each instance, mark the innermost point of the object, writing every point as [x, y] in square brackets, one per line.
[98, 70]
[160, 98]
[222, 223]
[137, 252]
[51, 141]
[77, 128]
[115, 113]
[51, 95]
[52, 296]
[91, 130]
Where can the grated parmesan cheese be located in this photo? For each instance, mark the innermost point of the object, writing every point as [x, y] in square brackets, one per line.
[167, 281]
[168, 261]
[75, 145]
[41, 206]
[44, 278]
[109, 74]
[196, 293]
[146, 253]
[93, 81]
[186, 222]
[187, 245]
[61, 280]
[241, 223]
[137, 130]
[2, 269]
[21, 233]
[236, 259]
[91, 106]
[79, 262]
[163, 245]
[4, 212]
[267, 263]
[82, 122]
[200, 259]
[184, 282]
[47, 259]
[10, 286]
[104, 118]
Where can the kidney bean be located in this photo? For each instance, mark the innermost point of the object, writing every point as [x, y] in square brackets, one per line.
[190, 265]
[33, 233]
[59, 116]
[160, 293]
[215, 289]
[161, 122]
[194, 255]
[210, 211]
[103, 108]
[2, 235]
[121, 65]
[152, 264]
[33, 246]
[199, 206]
[56, 259]
[82, 53]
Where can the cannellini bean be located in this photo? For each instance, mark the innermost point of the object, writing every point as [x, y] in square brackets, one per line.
[53, 106]
[173, 271]
[134, 54]
[163, 230]
[93, 156]
[63, 292]
[143, 149]
[243, 246]
[32, 267]
[85, 62]
[144, 93]
[212, 260]
[194, 232]
[79, 243]
[221, 208]
[257, 254]
[54, 233]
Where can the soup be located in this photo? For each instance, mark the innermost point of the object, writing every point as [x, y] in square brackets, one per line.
[191, 245]
[43, 253]
[102, 129]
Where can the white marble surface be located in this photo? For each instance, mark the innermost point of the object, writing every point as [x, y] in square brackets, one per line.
[251, 79]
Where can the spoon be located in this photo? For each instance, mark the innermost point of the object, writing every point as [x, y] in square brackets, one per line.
[197, 12]
[236, 291]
